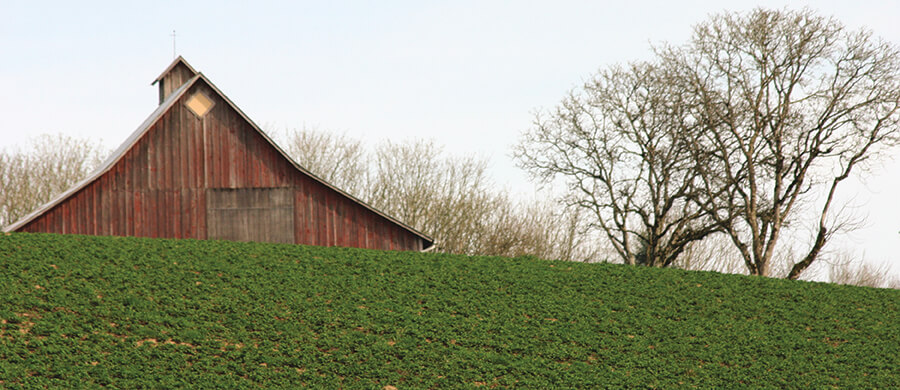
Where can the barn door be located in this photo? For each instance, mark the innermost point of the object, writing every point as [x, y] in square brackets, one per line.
[250, 214]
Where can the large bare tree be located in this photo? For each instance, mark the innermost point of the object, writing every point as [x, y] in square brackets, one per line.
[617, 145]
[788, 104]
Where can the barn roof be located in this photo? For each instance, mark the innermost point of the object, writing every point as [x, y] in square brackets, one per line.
[154, 117]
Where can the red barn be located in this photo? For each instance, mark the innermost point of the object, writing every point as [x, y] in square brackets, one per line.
[198, 167]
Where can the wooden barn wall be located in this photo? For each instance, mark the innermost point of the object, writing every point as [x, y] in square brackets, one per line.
[158, 188]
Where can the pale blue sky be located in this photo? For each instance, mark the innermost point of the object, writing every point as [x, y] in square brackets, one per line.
[467, 74]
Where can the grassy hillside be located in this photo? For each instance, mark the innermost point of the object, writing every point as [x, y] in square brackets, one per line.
[89, 311]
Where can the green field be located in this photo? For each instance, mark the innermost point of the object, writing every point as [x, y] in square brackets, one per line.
[78, 311]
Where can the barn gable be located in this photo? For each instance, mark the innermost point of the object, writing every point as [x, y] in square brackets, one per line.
[198, 167]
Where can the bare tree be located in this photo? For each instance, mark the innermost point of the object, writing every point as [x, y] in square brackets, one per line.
[450, 198]
[47, 166]
[447, 197]
[617, 145]
[335, 158]
[788, 105]
[453, 198]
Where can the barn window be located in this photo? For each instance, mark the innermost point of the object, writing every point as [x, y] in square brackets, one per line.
[199, 104]
[250, 214]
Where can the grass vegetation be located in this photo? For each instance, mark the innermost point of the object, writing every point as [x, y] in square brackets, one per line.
[78, 311]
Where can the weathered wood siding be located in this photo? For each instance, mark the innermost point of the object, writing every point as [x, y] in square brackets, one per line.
[250, 214]
[174, 78]
[160, 187]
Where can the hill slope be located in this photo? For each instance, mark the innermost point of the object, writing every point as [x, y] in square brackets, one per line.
[127, 312]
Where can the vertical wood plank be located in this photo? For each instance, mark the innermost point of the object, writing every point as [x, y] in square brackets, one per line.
[127, 190]
[169, 166]
[203, 229]
[138, 214]
[298, 216]
[103, 196]
[149, 209]
[128, 209]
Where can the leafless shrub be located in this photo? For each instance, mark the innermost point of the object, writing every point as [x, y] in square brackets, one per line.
[845, 269]
[715, 253]
[538, 228]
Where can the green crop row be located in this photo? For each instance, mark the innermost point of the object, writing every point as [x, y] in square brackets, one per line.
[78, 311]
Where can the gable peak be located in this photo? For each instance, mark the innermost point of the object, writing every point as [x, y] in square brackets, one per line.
[175, 75]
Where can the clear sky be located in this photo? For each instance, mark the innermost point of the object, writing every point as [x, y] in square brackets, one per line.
[468, 74]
